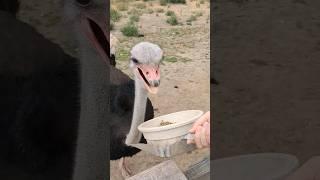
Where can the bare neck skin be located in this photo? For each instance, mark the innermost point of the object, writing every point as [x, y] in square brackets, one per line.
[139, 110]
[91, 153]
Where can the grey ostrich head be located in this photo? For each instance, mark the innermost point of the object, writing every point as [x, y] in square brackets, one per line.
[145, 64]
[89, 19]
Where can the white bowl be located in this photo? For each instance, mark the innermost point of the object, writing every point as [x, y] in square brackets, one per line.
[182, 123]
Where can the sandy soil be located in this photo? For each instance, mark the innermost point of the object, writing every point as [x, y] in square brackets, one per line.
[267, 61]
[184, 83]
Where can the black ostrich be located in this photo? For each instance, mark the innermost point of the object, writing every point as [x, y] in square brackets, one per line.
[54, 107]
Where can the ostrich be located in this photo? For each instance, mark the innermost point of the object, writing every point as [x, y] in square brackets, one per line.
[129, 103]
[39, 106]
[144, 63]
[42, 123]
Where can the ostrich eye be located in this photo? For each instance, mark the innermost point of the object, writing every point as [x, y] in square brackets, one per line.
[83, 3]
[135, 60]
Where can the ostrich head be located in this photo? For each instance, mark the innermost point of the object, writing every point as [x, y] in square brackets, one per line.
[89, 21]
[145, 64]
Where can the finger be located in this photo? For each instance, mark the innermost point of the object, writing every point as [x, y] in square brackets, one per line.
[197, 137]
[194, 127]
[200, 121]
[190, 138]
[208, 116]
[206, 126]
[204, 118]
[190, 141]
[203, 137]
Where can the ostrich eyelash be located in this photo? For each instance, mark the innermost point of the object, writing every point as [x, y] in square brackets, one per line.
[135, 60]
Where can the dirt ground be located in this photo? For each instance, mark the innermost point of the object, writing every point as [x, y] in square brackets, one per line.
[184, 80]
[267, 61]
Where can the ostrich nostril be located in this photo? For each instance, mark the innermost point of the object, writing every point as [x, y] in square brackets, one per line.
[156, 83]
[147, 72]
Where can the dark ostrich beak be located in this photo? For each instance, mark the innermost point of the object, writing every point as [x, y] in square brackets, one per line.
[150, 75]
[95, 28]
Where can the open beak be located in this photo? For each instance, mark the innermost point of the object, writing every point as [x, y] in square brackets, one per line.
[150, 75]
[95, 29]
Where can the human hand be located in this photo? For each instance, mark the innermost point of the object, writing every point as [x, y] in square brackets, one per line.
[201, 131]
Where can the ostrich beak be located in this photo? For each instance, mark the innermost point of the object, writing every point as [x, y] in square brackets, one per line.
[95, 29]
[150, 75]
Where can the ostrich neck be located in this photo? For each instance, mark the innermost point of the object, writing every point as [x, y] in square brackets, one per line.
[139, 110]
[91, 152]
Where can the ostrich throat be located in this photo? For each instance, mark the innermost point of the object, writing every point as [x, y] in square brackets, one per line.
[139, 110]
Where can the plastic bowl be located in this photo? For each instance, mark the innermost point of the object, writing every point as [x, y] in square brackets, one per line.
[182, 123]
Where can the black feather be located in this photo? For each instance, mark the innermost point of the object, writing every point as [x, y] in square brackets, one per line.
[40, 105]
[11, 6]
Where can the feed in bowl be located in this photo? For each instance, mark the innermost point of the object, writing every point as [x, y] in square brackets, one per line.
[165, 123]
